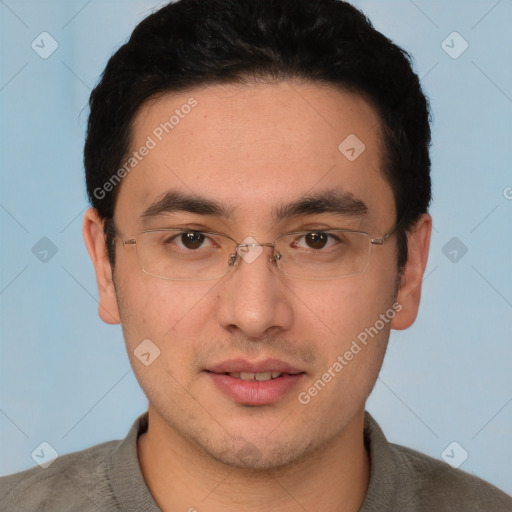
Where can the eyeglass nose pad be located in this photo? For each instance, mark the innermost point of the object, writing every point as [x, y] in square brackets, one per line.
[274, 259]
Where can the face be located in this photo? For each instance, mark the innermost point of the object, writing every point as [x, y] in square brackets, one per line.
[253, 151]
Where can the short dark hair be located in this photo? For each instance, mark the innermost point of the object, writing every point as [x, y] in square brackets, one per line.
[195, 43]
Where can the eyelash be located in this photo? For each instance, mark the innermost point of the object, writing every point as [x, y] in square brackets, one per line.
[336, 238]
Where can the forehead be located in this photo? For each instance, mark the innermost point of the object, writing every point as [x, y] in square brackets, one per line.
[255, 147]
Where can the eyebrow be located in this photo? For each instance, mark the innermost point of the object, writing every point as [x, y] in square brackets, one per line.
[336, 202]
[174, 201]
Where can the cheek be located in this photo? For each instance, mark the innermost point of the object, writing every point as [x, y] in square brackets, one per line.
[160, 310]
[345, 307]
[356, 314]
[353, 343]
[162, 319]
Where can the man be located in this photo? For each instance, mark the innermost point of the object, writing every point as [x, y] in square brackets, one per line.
[259, 179]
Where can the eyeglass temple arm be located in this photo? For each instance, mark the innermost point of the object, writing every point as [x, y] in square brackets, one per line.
[380, 241]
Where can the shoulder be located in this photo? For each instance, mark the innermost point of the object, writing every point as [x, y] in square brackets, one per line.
[76, 481]
[404, 479]
[437, 486]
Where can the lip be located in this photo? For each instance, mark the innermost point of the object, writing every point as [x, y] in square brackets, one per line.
[242, 365]
[253, 392]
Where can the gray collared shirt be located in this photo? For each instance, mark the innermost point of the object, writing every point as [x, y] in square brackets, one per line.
[107, 478]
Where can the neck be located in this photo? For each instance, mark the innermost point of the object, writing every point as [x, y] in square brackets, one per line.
[181, 477]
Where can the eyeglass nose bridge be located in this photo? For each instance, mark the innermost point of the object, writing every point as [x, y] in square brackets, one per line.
[234, 256]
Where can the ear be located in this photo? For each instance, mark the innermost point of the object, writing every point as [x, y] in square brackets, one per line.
[95, 241]
[409, 293]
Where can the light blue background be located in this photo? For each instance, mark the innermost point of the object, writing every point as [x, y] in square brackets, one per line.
[65, 377]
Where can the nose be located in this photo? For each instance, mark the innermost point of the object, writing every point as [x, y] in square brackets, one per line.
[253, 300]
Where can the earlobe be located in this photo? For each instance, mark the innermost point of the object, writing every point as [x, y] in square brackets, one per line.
[409, 292]
[95, 242]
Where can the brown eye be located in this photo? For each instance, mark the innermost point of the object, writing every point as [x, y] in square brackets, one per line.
[316, 240]
[192, 240]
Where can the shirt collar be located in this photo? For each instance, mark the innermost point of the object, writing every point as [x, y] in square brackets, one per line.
[128, 484]
[132, 493]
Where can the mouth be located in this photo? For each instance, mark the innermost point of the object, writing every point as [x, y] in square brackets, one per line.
[265, 369]
[250, 383]
[260, 376]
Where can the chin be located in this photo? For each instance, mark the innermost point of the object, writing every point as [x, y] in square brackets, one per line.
[257, 455]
